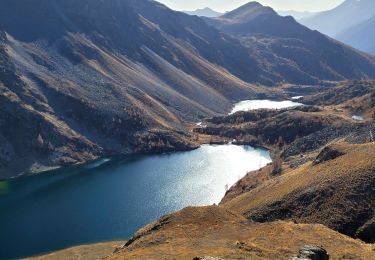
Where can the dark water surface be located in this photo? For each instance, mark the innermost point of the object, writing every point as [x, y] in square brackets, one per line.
[111, 199]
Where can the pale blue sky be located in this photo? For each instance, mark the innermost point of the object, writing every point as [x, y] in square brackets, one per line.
[227, 5]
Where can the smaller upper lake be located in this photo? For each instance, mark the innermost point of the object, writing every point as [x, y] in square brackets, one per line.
[248, 105]
[358, 117]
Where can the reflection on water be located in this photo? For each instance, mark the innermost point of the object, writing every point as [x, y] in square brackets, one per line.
[96, 163]
[248, 105]
[109, 200]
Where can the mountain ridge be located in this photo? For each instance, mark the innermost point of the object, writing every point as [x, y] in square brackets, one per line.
[206, 12]
[304, 53]
[348, 14]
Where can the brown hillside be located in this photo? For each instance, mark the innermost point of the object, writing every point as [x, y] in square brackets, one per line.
[337, 191]
[216, 232]
[85, 252]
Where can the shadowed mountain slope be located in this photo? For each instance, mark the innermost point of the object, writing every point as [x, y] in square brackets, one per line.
[291, 51]
[92, 78]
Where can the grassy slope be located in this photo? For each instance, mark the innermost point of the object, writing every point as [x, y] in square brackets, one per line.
[86, 252]
[338, 193]
[217, 232]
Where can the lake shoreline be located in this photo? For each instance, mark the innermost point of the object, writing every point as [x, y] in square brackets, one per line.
[193, 145]
[172, 180]
[46, 170]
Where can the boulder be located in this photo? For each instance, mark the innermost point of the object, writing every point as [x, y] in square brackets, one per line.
[309, 252]
[328, 153]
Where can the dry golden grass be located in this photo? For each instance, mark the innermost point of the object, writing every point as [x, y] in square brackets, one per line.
[250, 181]
[356, 160]
[215, 231]
[86, 252]
[337, 193]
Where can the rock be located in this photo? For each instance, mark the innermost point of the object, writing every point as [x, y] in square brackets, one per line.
[309, 252]
[40, 141]
[328, 153]
[367, 231]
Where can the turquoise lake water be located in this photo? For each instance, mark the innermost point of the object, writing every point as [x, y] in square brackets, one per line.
[112, 198]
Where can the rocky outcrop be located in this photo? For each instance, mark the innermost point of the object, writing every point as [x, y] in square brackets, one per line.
[328, 153]
[367, 231]
[309, 252]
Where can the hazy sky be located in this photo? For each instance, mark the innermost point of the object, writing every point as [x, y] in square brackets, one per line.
[227, 5]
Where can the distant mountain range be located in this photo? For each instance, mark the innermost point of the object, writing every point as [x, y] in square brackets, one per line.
[84, 79]
[352, 22]
[296, 14]
[347, 15]
[288, 48]
[205, 12]
[361, 36]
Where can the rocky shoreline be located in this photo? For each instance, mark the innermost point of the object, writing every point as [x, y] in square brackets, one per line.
[179, 147]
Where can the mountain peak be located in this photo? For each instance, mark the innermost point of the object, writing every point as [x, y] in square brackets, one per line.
[205, 12]
[249, 11]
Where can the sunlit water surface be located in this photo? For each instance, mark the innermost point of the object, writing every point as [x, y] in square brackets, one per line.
[358, 117]
[111, 199]
[248, 105]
